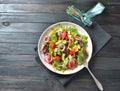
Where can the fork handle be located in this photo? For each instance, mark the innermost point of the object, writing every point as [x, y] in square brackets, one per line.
[99, 85]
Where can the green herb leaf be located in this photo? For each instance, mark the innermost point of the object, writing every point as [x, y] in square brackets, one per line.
[50, 50]
[53, 37]
[65, 61]
[73, 30]
[56, 65]
[84, 39]
[80, 60]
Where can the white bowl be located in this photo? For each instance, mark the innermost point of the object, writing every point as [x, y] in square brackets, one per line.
[47, 31]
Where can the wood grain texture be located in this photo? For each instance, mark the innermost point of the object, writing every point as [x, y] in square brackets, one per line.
[40, 27]
[52, 18]
[109, 2]
[17, 48]
[21, 24]
[54, 8]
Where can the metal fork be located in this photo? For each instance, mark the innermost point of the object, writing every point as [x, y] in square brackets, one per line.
[99, 85]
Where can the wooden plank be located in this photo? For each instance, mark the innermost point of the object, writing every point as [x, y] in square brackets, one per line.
[18, 17]
[41, 86]
[17, 48]
[38, 85]
[109, 85]
[24, 84]
[39, 27]
[59, 8]
[109, 2]
[52, 18]
[54, 8]
[23, 27]
[33, 1]
[20, 37]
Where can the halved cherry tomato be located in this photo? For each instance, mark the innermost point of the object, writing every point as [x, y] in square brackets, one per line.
[52, 44]
[56, 58]
[64, 35]
[72, 51]
[71, 63]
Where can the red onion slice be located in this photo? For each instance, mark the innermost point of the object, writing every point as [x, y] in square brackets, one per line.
[80, 42]
[48, 57]
[47, 38]
[45, 48]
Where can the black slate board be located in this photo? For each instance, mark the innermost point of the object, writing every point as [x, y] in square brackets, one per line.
[99, 38]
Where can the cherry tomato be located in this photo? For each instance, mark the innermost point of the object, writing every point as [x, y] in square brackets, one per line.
[56, 58]
[72, 51]
[52, 44]
[64, 35]
[71, 63]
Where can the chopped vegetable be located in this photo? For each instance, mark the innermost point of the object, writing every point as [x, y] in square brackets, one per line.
[64, 35]
[72, 51]
[47, 38]
[53, 37]
[52, 44]
[65, 48]
[56, 58]
[48, 57]
[71, 63]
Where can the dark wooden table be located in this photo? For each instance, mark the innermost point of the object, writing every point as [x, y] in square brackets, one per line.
[21, 24]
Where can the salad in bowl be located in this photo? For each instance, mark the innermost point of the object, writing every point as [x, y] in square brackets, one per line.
[63, 48]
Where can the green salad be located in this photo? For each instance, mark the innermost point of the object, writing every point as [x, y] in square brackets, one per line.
[65, 48]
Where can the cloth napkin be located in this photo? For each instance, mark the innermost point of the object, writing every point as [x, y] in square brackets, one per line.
[99, 39]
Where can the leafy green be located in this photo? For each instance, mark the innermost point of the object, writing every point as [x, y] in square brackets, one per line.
[58, 52]
[73, 30]
[50, 50]
[80, 56]
[58, 66]
[72, 45]
[53, 37]
[54, 53]
[84, 39]
[65, 61]
[79, 60]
